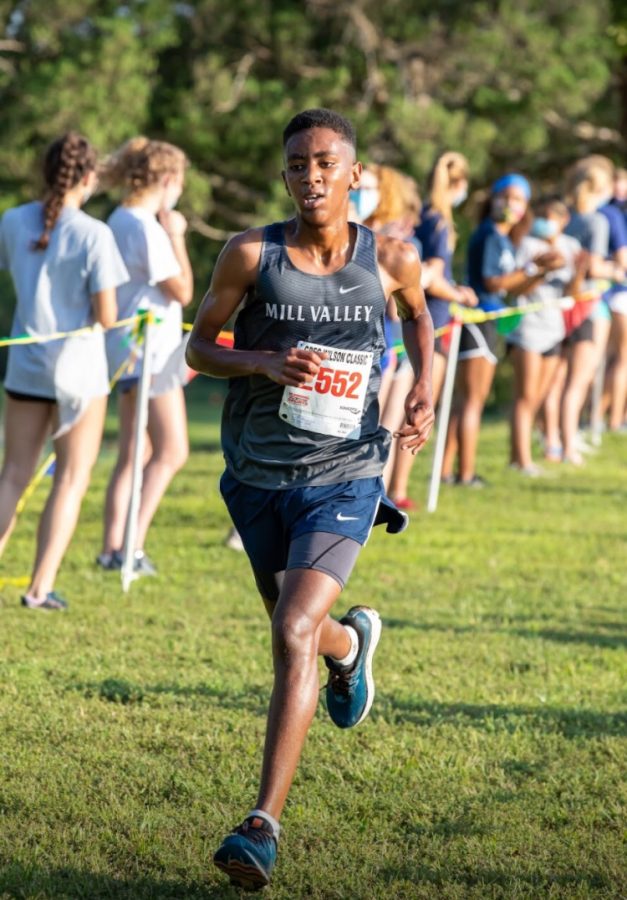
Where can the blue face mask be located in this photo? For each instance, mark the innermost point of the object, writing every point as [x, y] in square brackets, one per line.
[544, 228]
[365, 201]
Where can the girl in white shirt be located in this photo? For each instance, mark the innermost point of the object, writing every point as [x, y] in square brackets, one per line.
[150, 234]
[65, 268]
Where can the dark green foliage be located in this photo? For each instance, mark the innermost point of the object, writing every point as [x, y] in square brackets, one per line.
[517, 83]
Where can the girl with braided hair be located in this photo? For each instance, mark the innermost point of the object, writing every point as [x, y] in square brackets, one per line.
[150, 234]
[65, 268]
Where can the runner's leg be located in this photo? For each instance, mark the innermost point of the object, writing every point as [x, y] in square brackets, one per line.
[76, 452]
[619, 373]
[119, 488]
[26, 426]
[303, 605]
[167, 430]
[403, 462]
[582, 362]
[527, 369]
[477, 383]
[334, 640]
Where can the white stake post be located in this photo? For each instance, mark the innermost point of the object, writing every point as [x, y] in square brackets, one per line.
[443, 419]
[141, 421]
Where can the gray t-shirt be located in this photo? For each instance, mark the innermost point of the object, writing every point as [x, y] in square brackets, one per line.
[542, 330]
[53, 289]
[149, 257]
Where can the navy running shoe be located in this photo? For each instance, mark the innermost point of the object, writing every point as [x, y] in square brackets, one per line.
[248, 854]
[52, 600]
[350, 690]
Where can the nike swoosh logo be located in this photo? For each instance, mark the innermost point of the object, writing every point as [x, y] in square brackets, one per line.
[344, 290]
[342, 518]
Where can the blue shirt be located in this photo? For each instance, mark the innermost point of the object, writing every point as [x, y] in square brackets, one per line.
[490, 254]
[433, 234]
[618, 229]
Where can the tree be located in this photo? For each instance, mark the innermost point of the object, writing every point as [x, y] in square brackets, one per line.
[512, 83]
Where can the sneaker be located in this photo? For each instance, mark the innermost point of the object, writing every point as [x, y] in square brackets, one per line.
[248, 854]
[530, 471]
[112, 562]
[350, 690]
[404, 503]
[52, 600]
[448, 479]
[475, 482]
[143, 565]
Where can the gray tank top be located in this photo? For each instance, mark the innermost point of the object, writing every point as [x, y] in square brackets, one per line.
[343, 310]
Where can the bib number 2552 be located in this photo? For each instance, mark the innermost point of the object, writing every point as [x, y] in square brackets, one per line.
[334, 403]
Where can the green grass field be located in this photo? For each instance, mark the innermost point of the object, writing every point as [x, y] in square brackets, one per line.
[493, 763]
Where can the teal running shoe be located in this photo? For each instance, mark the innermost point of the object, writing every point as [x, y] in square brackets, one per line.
[350, 690]
[52, 600]
[248, 854]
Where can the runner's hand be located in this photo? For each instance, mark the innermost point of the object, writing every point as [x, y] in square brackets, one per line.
[549, 261]
[420, 418]
[467, 296]
[293, 367]
[173, 221]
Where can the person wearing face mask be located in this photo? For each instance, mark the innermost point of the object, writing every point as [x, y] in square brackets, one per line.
[150, 234]
[436, 233]
[588, 185]
[536, 344]
[492, 273]
[616, 299]
[65, 268]
[391, 205]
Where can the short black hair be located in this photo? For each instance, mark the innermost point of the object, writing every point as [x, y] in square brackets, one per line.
[321, 118]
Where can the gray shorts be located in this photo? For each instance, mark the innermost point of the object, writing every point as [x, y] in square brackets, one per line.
[333, 554]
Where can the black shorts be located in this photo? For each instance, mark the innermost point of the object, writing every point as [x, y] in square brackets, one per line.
[555, 350]
[479, 339]
[28, 398]
[583, 332]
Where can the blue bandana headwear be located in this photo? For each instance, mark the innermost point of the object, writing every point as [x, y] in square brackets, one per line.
[512, 180]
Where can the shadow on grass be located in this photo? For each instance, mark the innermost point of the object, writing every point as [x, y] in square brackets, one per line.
[512, 882]
[571, 723]
[571, 636]
[21, 881]
[253, 699]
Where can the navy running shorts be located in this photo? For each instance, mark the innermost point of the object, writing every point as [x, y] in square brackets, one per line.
[273, 524]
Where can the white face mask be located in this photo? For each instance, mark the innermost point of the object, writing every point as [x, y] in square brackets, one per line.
[459, 197]
[171, 197]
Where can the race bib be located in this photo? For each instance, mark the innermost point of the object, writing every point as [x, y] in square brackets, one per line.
[333, 404]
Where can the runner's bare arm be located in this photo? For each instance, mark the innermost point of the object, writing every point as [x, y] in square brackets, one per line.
[234, 275]
[400, 269]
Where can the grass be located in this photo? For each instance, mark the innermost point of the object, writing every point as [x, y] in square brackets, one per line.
[492, 765]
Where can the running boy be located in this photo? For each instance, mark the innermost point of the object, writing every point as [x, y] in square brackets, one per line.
[303, 446]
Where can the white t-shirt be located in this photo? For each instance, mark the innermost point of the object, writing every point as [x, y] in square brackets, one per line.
[149, 257]
[53, 289]
[542, 330]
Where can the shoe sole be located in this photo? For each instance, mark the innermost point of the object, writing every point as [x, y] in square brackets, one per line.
[375, 634]
[243, 875]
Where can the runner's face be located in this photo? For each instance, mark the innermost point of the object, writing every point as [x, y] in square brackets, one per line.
[320, 170]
